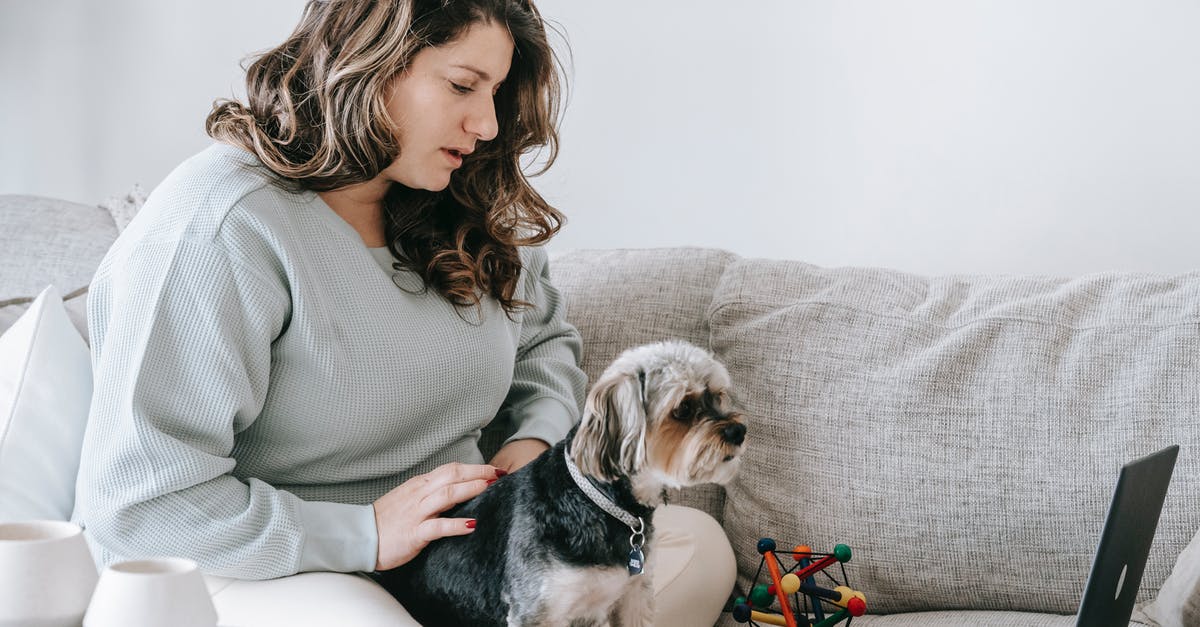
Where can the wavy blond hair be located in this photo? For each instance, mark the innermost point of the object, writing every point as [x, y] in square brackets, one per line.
[316, 116]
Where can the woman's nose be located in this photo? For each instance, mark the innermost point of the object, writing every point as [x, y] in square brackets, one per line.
[481, 120]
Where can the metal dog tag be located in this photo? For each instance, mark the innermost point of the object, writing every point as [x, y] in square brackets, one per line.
[636, 561]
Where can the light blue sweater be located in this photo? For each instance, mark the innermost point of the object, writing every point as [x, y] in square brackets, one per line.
[260, 379]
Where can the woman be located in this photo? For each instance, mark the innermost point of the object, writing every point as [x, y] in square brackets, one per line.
[297, 341]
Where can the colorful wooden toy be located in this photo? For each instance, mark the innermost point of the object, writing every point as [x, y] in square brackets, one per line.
[801, 601]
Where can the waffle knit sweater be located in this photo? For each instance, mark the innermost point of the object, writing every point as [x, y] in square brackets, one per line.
[261, 379]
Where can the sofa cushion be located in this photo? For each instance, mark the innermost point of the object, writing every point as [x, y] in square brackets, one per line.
[962, 434]
[623, 298]
[45, 390]
[47, 241]
[50, 241]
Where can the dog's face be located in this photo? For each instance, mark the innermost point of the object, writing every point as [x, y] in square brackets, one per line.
[663, 416]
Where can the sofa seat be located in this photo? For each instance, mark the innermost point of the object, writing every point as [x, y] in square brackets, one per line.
[965, 618]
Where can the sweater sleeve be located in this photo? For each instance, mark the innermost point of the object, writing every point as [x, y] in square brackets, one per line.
[547, 393]
[182, 334]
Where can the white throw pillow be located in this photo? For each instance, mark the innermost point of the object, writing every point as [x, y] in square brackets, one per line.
[45, 391]
[1178, 601]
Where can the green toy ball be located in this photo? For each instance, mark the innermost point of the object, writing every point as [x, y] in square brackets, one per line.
[842, 553]
[760, 596]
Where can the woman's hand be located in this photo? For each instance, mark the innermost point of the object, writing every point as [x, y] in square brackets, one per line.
[517, 453]
[407, 516]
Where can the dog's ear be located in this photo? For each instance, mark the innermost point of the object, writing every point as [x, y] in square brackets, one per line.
[611, 440]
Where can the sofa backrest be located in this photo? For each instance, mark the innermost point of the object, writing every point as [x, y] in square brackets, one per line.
[962, 435]
[47, 241]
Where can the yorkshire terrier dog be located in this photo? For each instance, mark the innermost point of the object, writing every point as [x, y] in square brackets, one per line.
[564, 540]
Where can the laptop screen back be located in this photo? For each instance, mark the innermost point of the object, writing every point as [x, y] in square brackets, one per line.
[1112, 587]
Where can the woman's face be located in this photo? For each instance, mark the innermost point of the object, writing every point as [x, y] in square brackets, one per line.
[444, 104]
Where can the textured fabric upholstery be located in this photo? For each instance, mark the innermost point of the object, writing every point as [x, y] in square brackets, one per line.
[956, 619]
[961, 434]
[48, 241]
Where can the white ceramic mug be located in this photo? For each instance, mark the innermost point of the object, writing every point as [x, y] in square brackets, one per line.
[151, 593]
[46, 574]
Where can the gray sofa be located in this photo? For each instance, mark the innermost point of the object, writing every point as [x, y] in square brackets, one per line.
[961, 433]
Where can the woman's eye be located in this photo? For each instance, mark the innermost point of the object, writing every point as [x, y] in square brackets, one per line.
[462, 89]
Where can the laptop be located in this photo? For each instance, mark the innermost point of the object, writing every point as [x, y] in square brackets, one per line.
[1112, 586]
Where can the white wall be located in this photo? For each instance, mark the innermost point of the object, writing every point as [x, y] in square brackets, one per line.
[928, 135]
[99, 95]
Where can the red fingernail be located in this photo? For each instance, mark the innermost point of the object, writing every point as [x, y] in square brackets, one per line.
[491, 481]
[500, 473]
[471, 524]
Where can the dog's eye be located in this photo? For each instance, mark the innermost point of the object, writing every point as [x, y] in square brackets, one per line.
[684, 410]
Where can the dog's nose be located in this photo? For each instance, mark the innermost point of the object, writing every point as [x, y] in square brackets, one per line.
[734, 433]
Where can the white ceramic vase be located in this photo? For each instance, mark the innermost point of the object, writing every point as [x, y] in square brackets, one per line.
[46, 574]
[151, 593]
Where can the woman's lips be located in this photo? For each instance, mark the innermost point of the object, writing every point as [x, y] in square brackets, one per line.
[453, 156]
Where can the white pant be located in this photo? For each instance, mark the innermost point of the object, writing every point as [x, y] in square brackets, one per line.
[691, 561]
